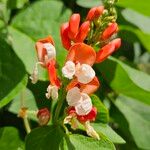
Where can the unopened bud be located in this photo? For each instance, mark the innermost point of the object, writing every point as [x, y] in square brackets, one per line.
[43, 116]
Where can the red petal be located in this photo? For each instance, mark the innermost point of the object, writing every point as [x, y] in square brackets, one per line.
[82, 53]
[48, 39]
[109, 31]
[88, 88]
[83, 32]
[91, 116]
[64, 36]
[105, 52]
[52, 73]
[116, 42]
[73, 26]
[94, 13]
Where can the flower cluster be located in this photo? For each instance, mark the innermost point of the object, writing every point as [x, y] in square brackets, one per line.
[89, 43]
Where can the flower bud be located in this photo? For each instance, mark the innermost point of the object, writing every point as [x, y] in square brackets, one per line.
[116, 42]
[109, 31]
[83, 32]
[44, 116]
[104, 52]
[73, 25]
[66, 42]
[94, 13]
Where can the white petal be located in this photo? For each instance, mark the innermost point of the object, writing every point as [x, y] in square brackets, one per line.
[74, 96]
[85, 106]
[85, 74]
[90, 131]
[69, 70]
[50, 49]
[54, 92]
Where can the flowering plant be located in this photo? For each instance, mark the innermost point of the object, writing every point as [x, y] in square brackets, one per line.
[78, 80]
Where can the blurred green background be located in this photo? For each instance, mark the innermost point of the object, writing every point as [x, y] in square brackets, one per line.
[126, 73]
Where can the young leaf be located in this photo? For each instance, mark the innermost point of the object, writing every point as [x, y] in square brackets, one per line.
[102, 111]
[9, 139]
[137, 115]
[12, 74]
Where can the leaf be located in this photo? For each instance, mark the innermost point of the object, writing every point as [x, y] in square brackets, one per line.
[139, 20]
[102, 111]
[12, 74]
[108, 132]
[140, 6]
[143, 37]
[44, 138]
[29, 102]
[9, 139]
[137, 115]
[126, 80]
[80, 142]
[31, 24]
[89, 3]
[12, 4]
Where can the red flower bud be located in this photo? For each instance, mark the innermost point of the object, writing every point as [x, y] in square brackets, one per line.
[64, 35]
[109, 31]
[44, 116]
[52, 73]
[104, 52]
[83, 32]
[89, 117]
[73, 26]
[94, 13]
[116, 42]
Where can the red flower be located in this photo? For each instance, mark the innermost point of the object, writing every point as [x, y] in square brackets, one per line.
[71, 32]
[107, 50]
[109, 31]
[94, 13]
[91, 116]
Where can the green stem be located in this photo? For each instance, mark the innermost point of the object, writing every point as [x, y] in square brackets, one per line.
[27, 125]
[60, 103]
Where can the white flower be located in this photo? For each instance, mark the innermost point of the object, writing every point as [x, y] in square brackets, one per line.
[85, 106]
[69, 70]
[52, 91]
[74, 96]
[85, 73]
[50, 49]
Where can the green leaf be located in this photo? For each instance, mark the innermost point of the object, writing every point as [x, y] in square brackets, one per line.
[143, 37]
[140, 6]
[12, 4]
[9, 139]
[31, 24]
[89, 3]
[137, 115]
[80, 142]
[126, 80]
[29, 102]
[139, 20]
[108, 132]
[44, 138]
[12, 74]
[102, 111]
